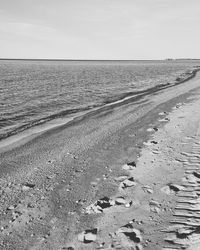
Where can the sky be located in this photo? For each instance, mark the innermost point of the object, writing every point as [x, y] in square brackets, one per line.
[100, 29]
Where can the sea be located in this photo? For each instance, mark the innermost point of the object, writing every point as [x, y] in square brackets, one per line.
[33, 92]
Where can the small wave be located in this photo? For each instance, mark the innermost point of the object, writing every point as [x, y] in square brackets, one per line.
[41, 121]
[111, 100]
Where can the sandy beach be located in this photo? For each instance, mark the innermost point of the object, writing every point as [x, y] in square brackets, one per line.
[125, 177]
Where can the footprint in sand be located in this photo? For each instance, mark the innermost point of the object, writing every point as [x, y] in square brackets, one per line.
[105, 203]
[122, 201]
[152, 129]
[88, 236]
[163, 113]
[172, 189]
[129, 182]
[164, 119]
[129, 166]
[120, 178]
[126, 237]
[148, 189]
[149, 143]
[125, 181]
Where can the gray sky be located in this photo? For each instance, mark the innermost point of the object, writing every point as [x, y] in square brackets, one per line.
[100, 29]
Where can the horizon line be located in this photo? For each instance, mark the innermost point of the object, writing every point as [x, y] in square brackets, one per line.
[59, 59]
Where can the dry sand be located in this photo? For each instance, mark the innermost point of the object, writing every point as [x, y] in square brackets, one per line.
[124, 178]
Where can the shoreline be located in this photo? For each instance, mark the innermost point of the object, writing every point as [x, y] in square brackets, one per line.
[49, 182]
[28, 133]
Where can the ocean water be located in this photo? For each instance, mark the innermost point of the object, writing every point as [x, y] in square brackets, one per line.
[34, 92]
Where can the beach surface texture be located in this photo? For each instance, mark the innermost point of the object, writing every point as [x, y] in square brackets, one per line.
[123, 177]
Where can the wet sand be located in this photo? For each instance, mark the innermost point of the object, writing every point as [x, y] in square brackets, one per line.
[122, 178]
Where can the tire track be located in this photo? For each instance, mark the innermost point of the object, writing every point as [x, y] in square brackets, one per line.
[184, 231]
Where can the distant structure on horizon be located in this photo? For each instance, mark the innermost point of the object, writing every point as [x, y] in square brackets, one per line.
[179, 59]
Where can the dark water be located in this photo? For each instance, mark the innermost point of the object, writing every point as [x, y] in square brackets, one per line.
[33, 92]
